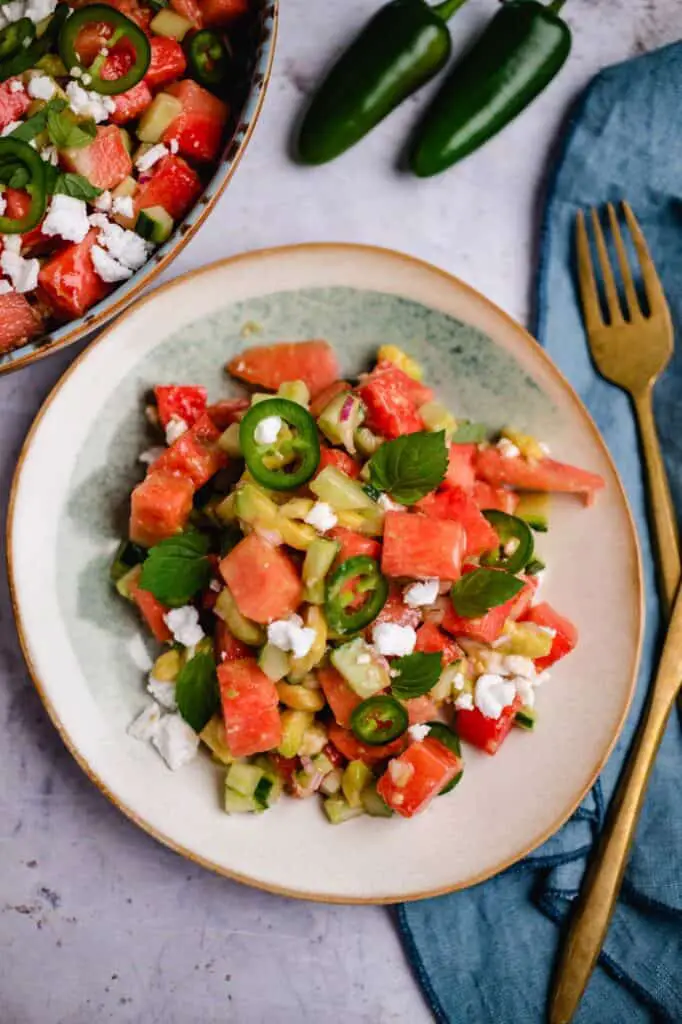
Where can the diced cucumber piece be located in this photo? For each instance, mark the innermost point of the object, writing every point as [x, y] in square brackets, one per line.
[356, 776]
[213, 735]
[373, 804]
[244, 629]
[255, 507]
[262, 794]
[229, 441]
[314, 740]
[296, 508]
[317, 563]
[295, 391]
[161, 112]
[127, 188]
[124, 583]
[331, 783]
[322, 764]
[243, 778]
[173, 26]
[273, 662]
[339, 491]
[368, 521]
[235, 803]
[127, 556]
[154, 224]
[338, 811]
[226, 511]
[358, 664]
[527, 640]
[528, 445]
[525, 718]
[437, 417]
[450, 679]
[534, 509]
[336, 429]
[294, 725]
[367, 442]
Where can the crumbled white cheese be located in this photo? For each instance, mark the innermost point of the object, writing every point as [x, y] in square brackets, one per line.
[507, 448]
[184, 625]
[106, 267]
[400, 772]
[9, 128]
[50, 155]
[66, 218]
[465, 702]
[163, 692]
[124, 206]
[89, 104]
[387, 504]
[291, 635]
[127, 247]
[146, 725]
[22, 273]
[176, 741]
[75, 71]
[3, 204]
[322, 517]
[41, 87]
[492, 694]
[103, 202]
[419, 732]
[267, 430]
[150, 455]
[422, 593]
[16, 85]
[174, 146]
[390, 639]
[459, 681]
[517, 665]
[37, 10]
[11, 243]
[146, 160]
[86, 78]
[524, 689]
[175, 428]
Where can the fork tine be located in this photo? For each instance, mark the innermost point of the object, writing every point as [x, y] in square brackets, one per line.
[586, 279]
[654, 292]
[634, 311]
[610, 290]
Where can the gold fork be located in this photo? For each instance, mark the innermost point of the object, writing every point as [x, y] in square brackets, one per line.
[631, 353]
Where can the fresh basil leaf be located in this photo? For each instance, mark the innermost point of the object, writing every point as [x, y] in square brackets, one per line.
[33, 126]
[479, 591]
[67, 133]
[196, 690]
[469, 433]
[410, 467]
[417, 674]
[177, 568]
[74, 185]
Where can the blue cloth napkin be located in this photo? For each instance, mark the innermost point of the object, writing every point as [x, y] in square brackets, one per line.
[487, 954]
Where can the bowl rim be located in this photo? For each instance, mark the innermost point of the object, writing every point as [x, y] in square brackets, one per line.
[347, 248]
[185, 231]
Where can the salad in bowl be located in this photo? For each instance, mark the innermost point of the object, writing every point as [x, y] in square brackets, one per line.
[343, 580]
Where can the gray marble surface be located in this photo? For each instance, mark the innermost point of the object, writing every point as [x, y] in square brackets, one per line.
[97, 921]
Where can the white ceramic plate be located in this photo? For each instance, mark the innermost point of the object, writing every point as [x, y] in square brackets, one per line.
[83, 644]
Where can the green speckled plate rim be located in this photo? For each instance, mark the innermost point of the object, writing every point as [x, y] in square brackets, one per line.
[129, 290]
[346, 249]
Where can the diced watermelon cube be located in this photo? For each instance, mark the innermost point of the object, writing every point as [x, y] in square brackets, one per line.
[131, 104]
[419, 547]
[340, 460]
[488, 627]
[223, 13]
[412, 780]
[264, 581]
[199, 128]
[18, 204]
[188, 402]
[69, 280]
[167, 63]
[455, 503]
[173, 185]
[566, 634]
[105, 162]
[347, 744]
[461, 466]
[249, 700]
[324, 397]
[341, 699]
[392, 400]
[151, 610]
[159, 508]
[227, 411]
[189, 9]
[226, 646]
[541, 475]
[500, 498]
[13, 105]
[431, 639]
[195, 454]
[487, 734]
[353, 544]
[19, 321]
[396, 611]
[268, 366]
[420, 710]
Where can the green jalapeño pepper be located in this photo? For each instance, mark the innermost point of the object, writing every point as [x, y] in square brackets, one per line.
[27, 56]
[379, 720]
[356, 593]
[22, 167]
[440, 732]
[404, 45]
[292, 457]
[208, 58]
[122, 29]
[516, 542]
[12, 38]
[520, 52]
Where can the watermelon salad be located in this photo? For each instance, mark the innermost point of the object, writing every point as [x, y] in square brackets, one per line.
[344, 580]
[113, 116]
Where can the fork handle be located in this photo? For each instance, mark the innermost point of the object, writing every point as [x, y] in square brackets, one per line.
[662, 508]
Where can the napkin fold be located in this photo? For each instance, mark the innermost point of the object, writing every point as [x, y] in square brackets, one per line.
[487, 954]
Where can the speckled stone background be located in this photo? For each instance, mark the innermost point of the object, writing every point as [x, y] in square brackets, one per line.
[97, 921]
